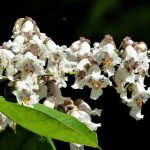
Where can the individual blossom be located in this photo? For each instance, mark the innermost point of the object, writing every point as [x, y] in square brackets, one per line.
[25, 25]
[106, 55]
[143, 59]
[6, 57]
[85, 119]
[16, 45]
[91, 76]
[79, 49]
[27, 91]
[122, 77]
[28, 64]
[82, 71]
[96, 82]
[3, 122]
[82, 105]
[138, 97]
[58, 65]
[37, 47]
[26, 97]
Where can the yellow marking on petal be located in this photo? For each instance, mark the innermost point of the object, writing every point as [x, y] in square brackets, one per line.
[139, 102]
[25, 100]
[26, 40]
[96, 84]
[106, 61]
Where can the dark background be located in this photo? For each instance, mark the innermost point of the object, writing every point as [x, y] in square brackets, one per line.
[65, 21]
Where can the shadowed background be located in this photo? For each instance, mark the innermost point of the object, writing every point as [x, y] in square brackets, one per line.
[65, 21]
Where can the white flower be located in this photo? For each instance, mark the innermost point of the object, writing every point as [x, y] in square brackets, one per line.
[29, 64]
[86, 119]
[143, 62]
[27, 26]
[18, 25]
[43, 37]
[67, 66]
[26, 97]
[107, 56]
[4, 121]
[83, 64]
[130, 52]
[6, 57]
[96, 81]
[17, 45]
[58, 65]
[51, 46]
[38, 48]
[84, 49]
[19, 40]
[76, 146]
[49, 102]
[138, 97]
[7, 45]
[136, 113]
[35, 40]
[82, 105]
[95, 50]
[82, 77]
[75, 46]
[78, 50]
[27, 91]
[61, 81]
[121, 77]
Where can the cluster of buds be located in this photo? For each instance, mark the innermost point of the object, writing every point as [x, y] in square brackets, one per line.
[37, 69]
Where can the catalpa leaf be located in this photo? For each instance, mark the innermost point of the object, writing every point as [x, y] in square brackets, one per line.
[49, 123]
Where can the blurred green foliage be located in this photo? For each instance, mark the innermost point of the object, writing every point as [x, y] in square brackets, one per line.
[66, 20]
[116, 17]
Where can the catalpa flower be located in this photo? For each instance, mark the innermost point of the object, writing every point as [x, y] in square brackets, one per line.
[82, 105]
[27, 91]
[28, 64]
[82, 71]
[79, 49]
[16, 45]
[4, 121]
[105, 54]
[6, 57]
[97, 82]
[138, 96]
[93, 79]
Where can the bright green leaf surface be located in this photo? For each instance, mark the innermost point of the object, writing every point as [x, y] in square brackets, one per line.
[49, 123]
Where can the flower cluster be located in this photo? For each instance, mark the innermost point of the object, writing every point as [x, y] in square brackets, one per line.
[37, 69]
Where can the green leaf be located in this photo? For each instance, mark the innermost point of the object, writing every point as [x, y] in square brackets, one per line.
[49, 123]
[69, 127]
[23, 140]
[72, 73]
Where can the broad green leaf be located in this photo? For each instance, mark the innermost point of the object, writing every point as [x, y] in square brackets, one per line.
[49, 123]
[23, 140]
[69, 127]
